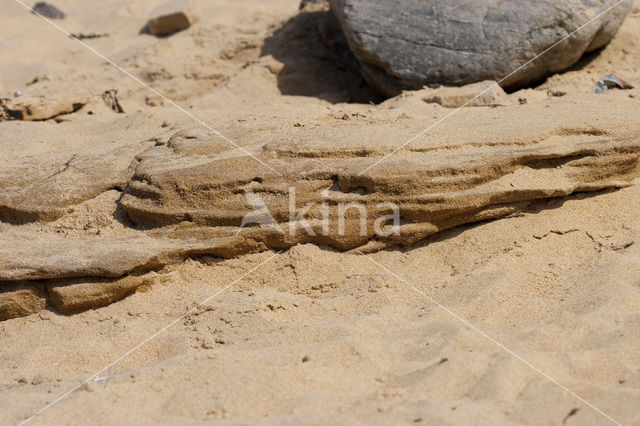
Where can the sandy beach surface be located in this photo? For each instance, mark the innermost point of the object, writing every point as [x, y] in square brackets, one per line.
[532, 318]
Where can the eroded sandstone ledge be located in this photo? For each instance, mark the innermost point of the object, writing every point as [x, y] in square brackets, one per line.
[433, 190]
[187, 196]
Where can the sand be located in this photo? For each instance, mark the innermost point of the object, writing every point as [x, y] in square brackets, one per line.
[499, 322]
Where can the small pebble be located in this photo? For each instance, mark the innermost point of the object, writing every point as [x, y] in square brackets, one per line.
[171, 17]
[48, 10]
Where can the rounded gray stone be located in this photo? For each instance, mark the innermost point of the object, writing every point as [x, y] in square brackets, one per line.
[413, 43]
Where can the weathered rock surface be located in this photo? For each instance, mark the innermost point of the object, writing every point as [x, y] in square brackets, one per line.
[433, 189]
[50, 256]
[171, 17]
[191, 195]
[90, 294]
[43, 181]
[195, 188]
[451, 42]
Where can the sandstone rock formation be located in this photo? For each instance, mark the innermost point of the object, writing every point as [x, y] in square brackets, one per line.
[184, 183]
[192, 195]
[461, 42]
[41, 182]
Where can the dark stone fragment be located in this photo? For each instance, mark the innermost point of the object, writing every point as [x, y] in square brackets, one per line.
[48, 10]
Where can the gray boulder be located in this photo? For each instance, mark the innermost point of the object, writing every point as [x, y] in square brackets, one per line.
[413, 43]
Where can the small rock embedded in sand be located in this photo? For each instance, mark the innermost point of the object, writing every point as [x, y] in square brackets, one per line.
[35, 108]
[48, 10]
[171, 17]
[553, 93]
[573, 412]
[488, 93]
[87, 387]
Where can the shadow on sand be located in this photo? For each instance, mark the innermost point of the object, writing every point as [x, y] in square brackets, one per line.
[315, 61]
